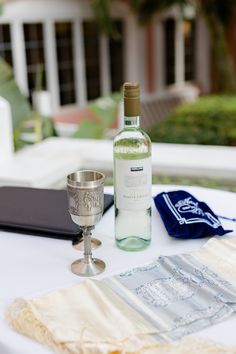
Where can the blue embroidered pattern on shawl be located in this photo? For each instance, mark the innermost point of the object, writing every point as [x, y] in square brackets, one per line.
[183, 295]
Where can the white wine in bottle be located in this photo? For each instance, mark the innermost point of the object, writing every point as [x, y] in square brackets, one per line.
[132, 177]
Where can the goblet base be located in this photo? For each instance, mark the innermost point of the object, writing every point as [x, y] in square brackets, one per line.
[79, 245]
[88, 269]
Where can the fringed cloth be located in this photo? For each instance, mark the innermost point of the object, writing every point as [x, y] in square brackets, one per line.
[93, 318]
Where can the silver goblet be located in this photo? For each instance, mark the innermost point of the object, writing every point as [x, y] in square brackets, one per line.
[86, 204]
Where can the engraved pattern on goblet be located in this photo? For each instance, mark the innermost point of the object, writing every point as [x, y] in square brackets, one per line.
[86, 202]
[92, 200]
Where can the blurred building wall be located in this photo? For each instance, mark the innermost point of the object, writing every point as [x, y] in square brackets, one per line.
[54, 45]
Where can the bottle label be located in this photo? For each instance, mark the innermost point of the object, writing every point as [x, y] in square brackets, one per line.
[133, 182]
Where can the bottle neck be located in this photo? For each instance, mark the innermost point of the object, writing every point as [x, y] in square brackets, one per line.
[131, 122]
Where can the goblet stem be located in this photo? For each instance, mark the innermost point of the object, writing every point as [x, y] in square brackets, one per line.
[87, 244]
[79, 244]
[88, 266]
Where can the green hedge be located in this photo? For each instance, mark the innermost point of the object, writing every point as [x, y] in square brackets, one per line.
[211, 120]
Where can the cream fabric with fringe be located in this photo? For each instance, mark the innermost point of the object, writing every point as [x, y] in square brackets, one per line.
[88, 318]
[219, 254]
[91, 318]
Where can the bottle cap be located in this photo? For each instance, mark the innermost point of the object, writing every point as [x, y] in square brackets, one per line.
[131, 99]
[131, 90]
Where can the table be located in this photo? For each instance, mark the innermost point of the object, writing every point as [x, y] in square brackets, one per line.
[30, 265]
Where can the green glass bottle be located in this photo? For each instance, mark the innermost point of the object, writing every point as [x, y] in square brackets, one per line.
[132, 177]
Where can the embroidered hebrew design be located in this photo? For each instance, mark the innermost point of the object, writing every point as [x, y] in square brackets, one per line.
[189, 206]
[162, 292]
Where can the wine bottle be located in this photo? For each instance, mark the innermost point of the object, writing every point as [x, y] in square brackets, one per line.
[132, 177]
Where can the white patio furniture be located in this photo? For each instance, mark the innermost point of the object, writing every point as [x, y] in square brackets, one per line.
[6, 131]
[46, 164]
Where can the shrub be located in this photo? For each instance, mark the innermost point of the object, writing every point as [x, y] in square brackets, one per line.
[211, 120]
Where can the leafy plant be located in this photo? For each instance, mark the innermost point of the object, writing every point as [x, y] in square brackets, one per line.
[37, 127]
[209, 121]
[21, 110]
[146, 9]
[20, 107]
[101, 10]
[105, 109]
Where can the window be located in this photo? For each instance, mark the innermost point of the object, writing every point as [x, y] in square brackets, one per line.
[189, 49]
[35, 60]
[92, 59]
[116, 47]
[169, 30]
[65, 59]
[5, 43]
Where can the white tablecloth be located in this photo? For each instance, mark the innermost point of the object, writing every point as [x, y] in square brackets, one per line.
[31, 265]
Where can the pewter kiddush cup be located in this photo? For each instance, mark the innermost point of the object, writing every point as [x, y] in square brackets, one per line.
[86, 204]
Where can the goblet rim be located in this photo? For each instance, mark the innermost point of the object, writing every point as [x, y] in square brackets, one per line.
[74, 181]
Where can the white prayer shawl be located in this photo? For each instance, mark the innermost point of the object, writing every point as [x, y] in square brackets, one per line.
[91, 318]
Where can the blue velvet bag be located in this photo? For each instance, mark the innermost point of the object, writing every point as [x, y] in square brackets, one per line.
[186, 217]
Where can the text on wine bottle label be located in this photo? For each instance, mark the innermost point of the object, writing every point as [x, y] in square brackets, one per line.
[133, 180]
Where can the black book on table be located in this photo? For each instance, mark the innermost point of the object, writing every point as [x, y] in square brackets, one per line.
[40, 212]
